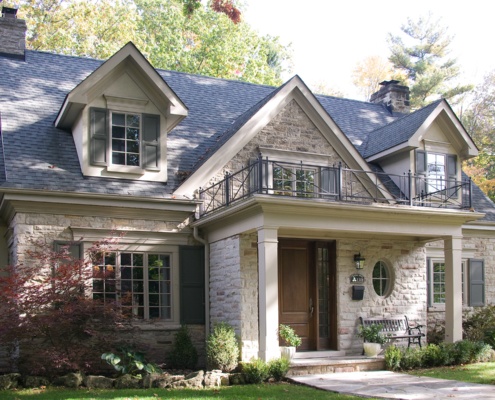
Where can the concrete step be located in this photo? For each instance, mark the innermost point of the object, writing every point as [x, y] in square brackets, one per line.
[310, 365]
[319, 354]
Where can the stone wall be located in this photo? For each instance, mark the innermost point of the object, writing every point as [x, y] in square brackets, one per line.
[234, 288]
[156, 337]
[478, 245]
[12, 36]
[407, 263]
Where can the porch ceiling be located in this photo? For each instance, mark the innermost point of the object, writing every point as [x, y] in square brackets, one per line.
[294, 217]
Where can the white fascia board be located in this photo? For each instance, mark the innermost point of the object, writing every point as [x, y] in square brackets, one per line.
[297, 90]
[458, 135]
[388, 152]
[129, 52]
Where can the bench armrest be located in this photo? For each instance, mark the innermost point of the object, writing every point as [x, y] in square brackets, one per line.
[417, 328]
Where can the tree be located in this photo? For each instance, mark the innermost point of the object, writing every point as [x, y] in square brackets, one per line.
[424, 60]
[204, 42]
[368, 74]
[48, 314]
[479, 121]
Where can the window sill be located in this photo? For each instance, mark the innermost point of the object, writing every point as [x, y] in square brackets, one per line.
[124, 169]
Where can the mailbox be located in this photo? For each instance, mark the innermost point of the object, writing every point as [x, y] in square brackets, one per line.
[357, 292]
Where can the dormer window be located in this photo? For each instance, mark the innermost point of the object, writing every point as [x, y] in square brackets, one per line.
[134, 141]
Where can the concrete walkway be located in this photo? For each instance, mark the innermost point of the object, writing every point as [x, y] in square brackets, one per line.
[392, 385]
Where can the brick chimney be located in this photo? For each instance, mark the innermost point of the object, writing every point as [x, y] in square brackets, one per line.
[12, 34]
[393, 96]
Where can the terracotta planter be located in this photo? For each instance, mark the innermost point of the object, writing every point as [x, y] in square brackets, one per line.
[287, 352]
[372, 349]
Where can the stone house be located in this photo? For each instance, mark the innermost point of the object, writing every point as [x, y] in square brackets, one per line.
[263, 205]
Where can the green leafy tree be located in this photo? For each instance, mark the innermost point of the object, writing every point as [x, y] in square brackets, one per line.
[205, 41]
[422, 54]
[479, 121]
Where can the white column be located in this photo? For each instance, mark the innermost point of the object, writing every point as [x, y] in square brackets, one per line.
[453, 288]
[268, 293]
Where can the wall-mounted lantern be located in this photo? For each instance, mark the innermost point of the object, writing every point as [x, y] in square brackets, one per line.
[358, 261]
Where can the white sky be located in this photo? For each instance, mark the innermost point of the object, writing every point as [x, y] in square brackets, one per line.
[330, 37]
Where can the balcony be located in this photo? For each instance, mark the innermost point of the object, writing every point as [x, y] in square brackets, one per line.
[334, 184]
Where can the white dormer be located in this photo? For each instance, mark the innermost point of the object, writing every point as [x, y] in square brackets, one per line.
[120, 116]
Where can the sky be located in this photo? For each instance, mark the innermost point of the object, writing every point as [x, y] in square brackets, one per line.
[328, 37]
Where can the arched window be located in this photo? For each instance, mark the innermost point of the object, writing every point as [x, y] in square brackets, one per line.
[381, 279]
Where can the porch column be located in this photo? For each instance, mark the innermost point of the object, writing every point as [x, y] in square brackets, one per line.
[453, 288]
[268, 293]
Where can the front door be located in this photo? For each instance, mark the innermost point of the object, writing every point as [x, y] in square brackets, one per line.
[307, 298]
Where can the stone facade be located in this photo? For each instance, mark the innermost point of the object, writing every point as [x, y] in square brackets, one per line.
[12, 36]
[234, 288]
[406, 262]
[155, 337]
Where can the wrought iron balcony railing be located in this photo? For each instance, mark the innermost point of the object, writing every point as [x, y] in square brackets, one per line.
[336, 183]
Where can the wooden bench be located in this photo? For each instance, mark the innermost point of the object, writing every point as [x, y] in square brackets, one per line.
[397, 328]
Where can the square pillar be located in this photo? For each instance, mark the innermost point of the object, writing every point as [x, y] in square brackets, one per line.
[453, 288]
[268, 293]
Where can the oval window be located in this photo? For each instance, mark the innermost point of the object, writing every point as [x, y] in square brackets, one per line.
[381, 278]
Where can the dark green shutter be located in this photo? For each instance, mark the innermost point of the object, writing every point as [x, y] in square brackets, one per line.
[151, 141]
[328, 181]
[99, 136]
[451, 173]
[476, 283]
[192, 284]
[75, 250]
[429, 283]
[421, 169]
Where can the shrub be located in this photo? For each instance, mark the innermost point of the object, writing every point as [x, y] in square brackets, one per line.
[183, 354]
[255, 371]
[432, 356]
[130, 362]
[372, 333]
[222, 349]
[393, 358]
[289, 336]
[480, 325]
[447, 353]
[45, 310]
[463, 352]
[278, 368]
[482, 352]
[411, 358]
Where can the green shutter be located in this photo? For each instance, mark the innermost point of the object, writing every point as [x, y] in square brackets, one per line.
[429, 283]
[151, 141]
[192, 284]
[476, 283]
[451, 173]
[421, 169]
[99, 136]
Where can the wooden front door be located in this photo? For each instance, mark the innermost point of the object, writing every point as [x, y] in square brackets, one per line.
[307, 300]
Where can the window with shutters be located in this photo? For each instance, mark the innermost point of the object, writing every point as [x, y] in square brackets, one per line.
[436, 172]
[140, 282]
[125, 142]
[473, 282]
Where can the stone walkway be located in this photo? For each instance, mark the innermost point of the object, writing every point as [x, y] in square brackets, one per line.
[392, 385]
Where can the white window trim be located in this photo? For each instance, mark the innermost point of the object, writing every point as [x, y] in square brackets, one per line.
[465, 281]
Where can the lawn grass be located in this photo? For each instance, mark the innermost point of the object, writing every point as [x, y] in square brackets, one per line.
[474, 373]
[283, 391]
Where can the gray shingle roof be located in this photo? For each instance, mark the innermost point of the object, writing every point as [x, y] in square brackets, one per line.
[37, 155]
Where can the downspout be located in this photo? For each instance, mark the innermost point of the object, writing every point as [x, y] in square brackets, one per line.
[207, 278]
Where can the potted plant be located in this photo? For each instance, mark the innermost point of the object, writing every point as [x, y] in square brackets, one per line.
[373, 339]
[291, 340]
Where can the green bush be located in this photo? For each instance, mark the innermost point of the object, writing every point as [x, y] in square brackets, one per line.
[448, 353]
[463, 352]
[255, 371]
[482, 352]
[393, 358]
[432, 356]
[222, 348]
[183, 354]
[278, 368]
[411, 358]
[480, 325]
[130, 362]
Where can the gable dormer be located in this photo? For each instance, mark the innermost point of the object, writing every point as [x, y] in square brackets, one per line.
[120, 116]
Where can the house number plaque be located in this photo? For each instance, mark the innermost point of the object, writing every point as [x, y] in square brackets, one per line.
[357, 278]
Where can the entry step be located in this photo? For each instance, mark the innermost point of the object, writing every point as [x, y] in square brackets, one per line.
[319, 354]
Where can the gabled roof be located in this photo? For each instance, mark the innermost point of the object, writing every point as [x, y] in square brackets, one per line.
[407, 132]
[128, 59]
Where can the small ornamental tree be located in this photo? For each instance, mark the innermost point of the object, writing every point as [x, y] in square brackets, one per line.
[48, 318]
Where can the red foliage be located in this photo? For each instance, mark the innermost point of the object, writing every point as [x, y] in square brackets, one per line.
[228, 8]
[48, 316]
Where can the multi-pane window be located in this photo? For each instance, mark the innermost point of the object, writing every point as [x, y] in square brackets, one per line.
[436, 281]
[294, 181]
[126, 136]
[381, 278]
[436, 171]
[140, 282]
